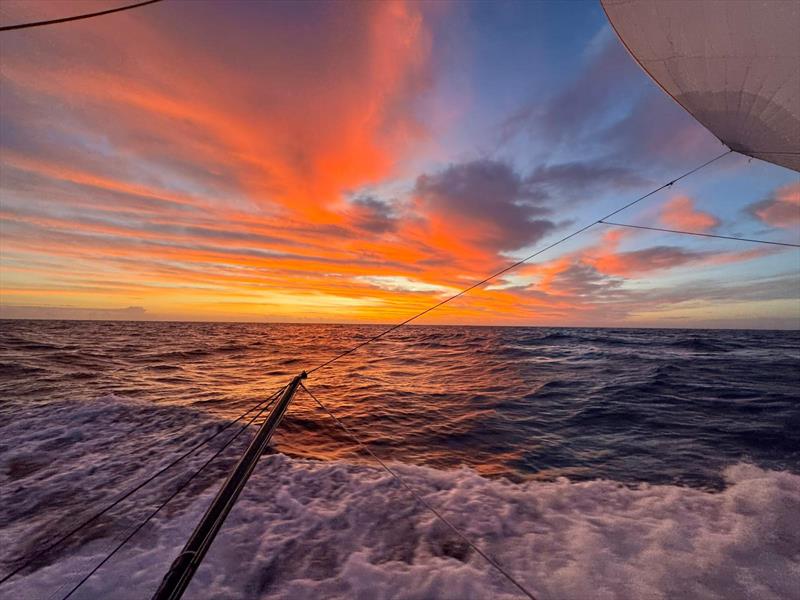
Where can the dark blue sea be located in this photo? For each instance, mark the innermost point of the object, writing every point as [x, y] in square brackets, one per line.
[591, 463]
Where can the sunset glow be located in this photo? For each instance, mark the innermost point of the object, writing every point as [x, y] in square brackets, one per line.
[358, 162]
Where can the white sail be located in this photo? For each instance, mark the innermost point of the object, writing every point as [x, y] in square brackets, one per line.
[733, 64]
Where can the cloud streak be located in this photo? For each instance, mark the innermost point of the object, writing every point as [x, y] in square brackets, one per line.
[782, 209]
[291, 171]
[680, 213]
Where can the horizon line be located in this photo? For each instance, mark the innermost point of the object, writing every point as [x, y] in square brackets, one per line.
[378, 324]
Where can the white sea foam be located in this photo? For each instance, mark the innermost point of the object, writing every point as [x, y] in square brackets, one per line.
[308, 529]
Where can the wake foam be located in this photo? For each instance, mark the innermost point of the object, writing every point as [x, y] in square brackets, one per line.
[307, 529]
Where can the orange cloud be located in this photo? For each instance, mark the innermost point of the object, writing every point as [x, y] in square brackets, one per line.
[638, 262]
[680, 213]
[248, 178]
[782, 209]
[294, 131]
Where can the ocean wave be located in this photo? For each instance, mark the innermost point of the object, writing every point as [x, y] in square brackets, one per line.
[702, 345]
[610, 409]
[177, 355]
[14, 369]
[549, 338]
[307, 529]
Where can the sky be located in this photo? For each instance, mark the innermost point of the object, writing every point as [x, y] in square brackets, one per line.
[357, 162]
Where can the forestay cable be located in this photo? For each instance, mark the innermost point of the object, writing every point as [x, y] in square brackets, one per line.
[422, 500]
[132, 491]
[165, 502]
[517, 264]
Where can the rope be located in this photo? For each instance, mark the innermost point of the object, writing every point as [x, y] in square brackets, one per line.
[516, 264]
[709, 235]
[77, 17]
[131, 491]
[165, 502]
[422, 500]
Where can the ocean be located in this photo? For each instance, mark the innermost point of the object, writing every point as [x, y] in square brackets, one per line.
[595, 464]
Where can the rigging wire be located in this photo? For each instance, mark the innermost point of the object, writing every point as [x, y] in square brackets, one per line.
[422, 500]
[709, 235]
[76, 17]
[329, 362]
[165, 502]
[516, 264]
[133, 490]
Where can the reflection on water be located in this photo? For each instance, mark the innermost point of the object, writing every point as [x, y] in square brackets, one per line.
[629, 405]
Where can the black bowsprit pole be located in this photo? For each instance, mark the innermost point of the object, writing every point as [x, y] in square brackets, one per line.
[184, 566]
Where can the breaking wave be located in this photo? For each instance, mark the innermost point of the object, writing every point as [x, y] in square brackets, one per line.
[343, 529]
